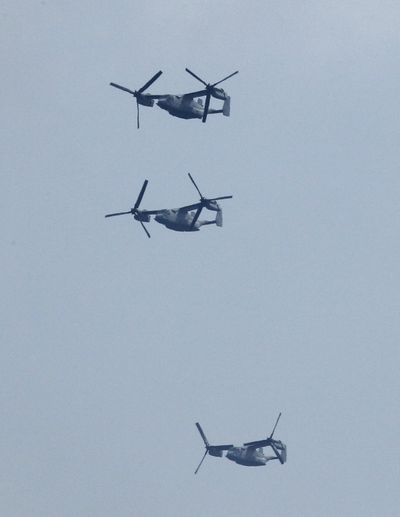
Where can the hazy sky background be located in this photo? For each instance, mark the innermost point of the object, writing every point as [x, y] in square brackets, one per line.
[114, 345]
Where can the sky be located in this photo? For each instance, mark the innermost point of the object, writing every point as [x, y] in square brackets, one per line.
[114, 345]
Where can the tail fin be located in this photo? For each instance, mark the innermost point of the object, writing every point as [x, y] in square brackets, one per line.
[226, 109]
[218, 218]
[280, 450]
[284, 453]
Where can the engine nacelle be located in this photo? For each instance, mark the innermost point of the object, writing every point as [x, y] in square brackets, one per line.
[142, 216]
[215, 452]
[144, 100]
[218, 93]
[212, 205]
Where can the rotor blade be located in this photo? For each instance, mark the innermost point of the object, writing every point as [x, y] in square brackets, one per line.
[202, 459]
[145, 229]
[202, 435]
[194, 183]
[276, 423]
[225, 78]
[122, 88]
[217, 198]
[137, 114]
[118, 213]
[206, 106]
[195, 76]
[140, 196]
[196, 216]
[149, 83]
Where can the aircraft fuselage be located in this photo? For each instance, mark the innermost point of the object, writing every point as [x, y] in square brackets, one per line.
[247, 457]
[179, 221]
[177, 106]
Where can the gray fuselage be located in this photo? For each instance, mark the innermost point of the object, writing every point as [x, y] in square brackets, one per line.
[180, 107]
[248, 456]
[178, 220]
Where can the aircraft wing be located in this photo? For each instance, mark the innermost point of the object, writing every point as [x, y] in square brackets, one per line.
[221, 447]
[258, 443]
[268, 442]
[153, 212]
[188, 208]
[192, 95]
[156, 96]
[184, 96]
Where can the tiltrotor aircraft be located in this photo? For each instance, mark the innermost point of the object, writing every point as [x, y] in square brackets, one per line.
[185, 106]
[182, 219]
[249, 454]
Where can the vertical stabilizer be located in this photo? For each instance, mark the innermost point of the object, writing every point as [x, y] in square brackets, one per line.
[226, 110]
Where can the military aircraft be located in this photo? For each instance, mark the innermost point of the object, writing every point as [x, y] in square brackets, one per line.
[182, 219]
[249, 454]
[186, 106]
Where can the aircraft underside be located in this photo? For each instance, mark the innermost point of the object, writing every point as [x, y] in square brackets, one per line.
[182, 114]
[249, 462]
[179, 227]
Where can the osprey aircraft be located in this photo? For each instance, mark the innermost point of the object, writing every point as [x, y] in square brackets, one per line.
[250, 454]
[186, 106]
[182, 219]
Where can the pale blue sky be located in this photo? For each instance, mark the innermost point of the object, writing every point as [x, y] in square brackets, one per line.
[114, 344]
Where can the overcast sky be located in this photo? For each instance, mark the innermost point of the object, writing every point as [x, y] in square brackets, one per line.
[114, 345]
